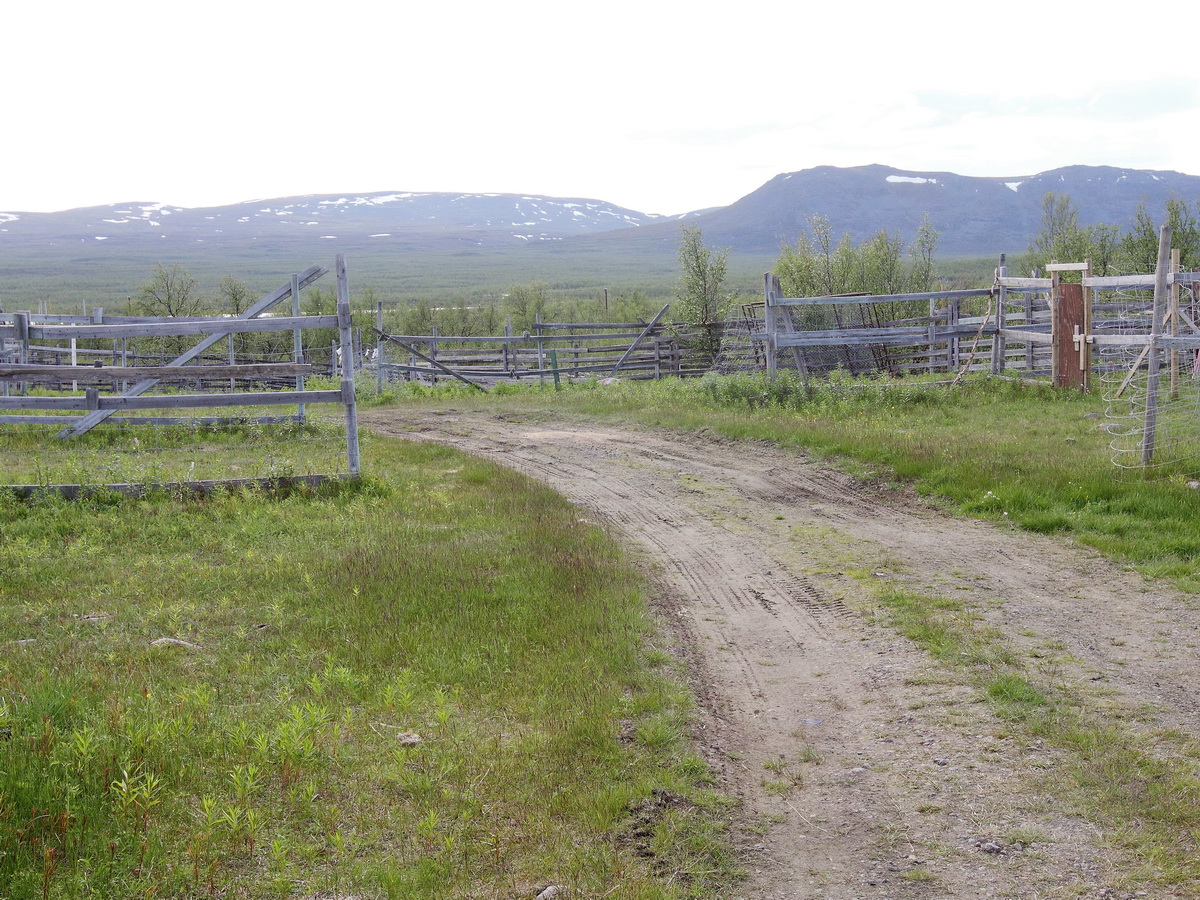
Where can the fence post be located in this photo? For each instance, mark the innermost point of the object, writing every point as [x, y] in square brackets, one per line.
[1174, 316]
[21, 321]
[379, 349]
[1156, 323]
[346, 335]
[297, 344]
[537, 327]
[933, 335]
[507, 345]
[1085, 349]
[954, 348]
[1029, 360]
[998, 348]
[770, 318]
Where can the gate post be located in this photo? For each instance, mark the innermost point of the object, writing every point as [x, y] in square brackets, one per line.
[1069, 321]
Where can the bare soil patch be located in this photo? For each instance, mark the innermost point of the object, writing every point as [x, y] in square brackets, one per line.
[862, 769]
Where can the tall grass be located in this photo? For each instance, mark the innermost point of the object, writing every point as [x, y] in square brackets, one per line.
[429, 684]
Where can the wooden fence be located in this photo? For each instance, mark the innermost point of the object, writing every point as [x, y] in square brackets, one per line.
[107, 390]
[548, 350]
[1030, 326]
[872, 332]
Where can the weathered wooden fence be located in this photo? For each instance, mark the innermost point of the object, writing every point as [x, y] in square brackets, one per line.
[548, 350]
[109, 389]
[870, 333]
[1028, 326]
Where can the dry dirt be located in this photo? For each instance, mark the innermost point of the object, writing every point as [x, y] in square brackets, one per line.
[863, 769]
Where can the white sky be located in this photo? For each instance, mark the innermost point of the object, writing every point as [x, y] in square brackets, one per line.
[657, 105]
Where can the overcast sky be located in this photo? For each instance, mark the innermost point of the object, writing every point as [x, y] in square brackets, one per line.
[657, 105]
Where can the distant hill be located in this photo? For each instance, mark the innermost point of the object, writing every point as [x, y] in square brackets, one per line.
[422, 244]
[981, 216]
[429, 218]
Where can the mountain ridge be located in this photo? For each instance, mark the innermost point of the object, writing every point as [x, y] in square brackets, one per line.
[972, 214]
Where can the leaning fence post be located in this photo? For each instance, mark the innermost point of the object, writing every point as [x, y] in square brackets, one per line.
[1156, 324]
[346, 336]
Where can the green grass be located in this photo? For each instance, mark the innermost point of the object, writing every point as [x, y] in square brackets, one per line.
[430, 684]
[1016, 453]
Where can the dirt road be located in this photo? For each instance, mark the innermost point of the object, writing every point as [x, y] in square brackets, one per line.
[864, 771]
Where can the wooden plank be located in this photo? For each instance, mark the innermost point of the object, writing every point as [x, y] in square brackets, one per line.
[433, 362]
[582, 326]
[508, 340]
[43, 374]
[1120, 282]
[1067, 267]
[1037, 284]
[154, 420]
[1028, 337]
[110, 404]
[219, 328]
[90, 421]
[879, 298]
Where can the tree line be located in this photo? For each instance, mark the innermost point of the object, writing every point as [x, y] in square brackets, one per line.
[1113, 250]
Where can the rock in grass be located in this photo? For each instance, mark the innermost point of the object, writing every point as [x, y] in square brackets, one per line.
[174, 642]
[550, 892]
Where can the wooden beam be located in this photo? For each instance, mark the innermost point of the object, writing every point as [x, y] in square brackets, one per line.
[880, 298]
[110, 404]
[48, 374]
[219, 328]
[429, 359]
